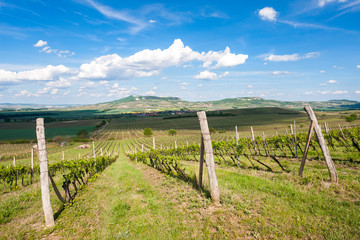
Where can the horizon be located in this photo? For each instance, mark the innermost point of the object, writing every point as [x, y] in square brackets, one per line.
[91, 51]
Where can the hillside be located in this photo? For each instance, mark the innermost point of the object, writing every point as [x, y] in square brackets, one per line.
[152, 103]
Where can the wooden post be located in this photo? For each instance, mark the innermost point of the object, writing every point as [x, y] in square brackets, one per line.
[63, 155]
[286, 131]
[322, 142]
[201, 165]
[187, 143]
[79, 156]
[101, 152]
[32, 165]
[291, 129]
[94, 150]
[209, 158]
[263, 136]
[236, 136]
[252, 134]
[44, 173]
[311, 130]
[175, 144]
[14, 161]
[153, 143]
[142, 147]
[295, 139]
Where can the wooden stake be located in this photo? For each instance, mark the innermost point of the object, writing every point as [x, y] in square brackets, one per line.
[295, 139]
[101, 152]
[311, 131]
[44, 173]
[32, 165]
[14, 161]
[209, 158]
[94, 150]
[252, 134]
[291, 129]
[153, 143]
[201, 165]
[175, 144]
[322, 142]
[236, 136]
[142, 147]
[63, 155]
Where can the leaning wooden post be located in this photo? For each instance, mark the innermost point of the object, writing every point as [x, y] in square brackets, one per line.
[311, 130]
[252, 134]
[201, 166]
[32, 165]
[209, 158]
[322, 142]
[236, 136]
[44, 173]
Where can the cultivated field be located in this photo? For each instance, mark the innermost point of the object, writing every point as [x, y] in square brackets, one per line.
[151, 190]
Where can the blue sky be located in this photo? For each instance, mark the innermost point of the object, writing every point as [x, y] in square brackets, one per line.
[90, 51]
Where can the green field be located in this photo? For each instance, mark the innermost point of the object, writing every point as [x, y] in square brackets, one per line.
[133, 200]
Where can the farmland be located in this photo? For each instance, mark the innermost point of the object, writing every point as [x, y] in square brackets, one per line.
[137, 197]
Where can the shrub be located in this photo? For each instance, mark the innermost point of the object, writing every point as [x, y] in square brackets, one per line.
[148, 132]
[172, 132]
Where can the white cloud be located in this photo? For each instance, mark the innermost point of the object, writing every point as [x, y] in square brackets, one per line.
[357, 92]
[337, 67]
[184, 83]
[43, 91]
[268, 14]
[26, 93]
[328, 82]
[48, 73]
[54, 91]
[147, 62]
[292, 57]
[40, 43]
[322, 3]
[358, 66]
[249, 86]
[150, 93]
[339, 92]
[327, 92]
[280, 72]
[322, 71]
[154, 88]
[66, 93]
[61, 83]
[48, 49]
[118, 15]
[152, 21]
[206, 75]
[200, 85]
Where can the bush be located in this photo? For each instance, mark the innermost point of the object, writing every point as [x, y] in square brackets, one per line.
[148, 132]
[83, 134]
[349, 118]
[172, 132]
[212, 130]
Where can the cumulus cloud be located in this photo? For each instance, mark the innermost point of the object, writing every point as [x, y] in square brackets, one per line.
[280, 72]
[47, 49]
[206, 75]
[268, 14]
[40, 43]
[48, 73]
[26, 93]
[339, 92]
[357, 92]
[328, 82]
[292, 57]
[150, 93]
[147, 62]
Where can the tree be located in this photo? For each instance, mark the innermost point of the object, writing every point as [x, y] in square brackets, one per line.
[172, 132]
[83, 134]
[148, 132]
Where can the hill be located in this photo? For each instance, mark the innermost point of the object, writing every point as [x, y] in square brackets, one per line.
[152, 103]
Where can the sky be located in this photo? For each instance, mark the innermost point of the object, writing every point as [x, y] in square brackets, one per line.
[92, 51]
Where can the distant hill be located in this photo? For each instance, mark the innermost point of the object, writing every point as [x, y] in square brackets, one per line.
[152, 103]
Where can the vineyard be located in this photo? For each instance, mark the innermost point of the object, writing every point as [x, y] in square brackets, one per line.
[137, 186]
